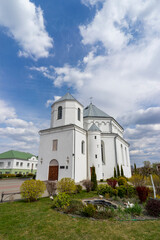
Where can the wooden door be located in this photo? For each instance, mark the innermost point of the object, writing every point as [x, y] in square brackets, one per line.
[53, 173]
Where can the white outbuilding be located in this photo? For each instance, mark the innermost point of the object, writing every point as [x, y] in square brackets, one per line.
[78, 139]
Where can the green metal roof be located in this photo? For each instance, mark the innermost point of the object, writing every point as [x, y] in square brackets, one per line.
[94, 128]
[67, 96]
[15, 155]
[93, 111]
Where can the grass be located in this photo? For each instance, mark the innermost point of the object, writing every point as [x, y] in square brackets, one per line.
[36, 220]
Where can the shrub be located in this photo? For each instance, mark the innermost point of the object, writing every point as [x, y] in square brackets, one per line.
[89, 210]
[75, 207]
[114, 192]
[153, 207]
[51, 188]
[101, 180]
[137, 180]
[131, 191]
[31, 190]
[102, 189]
[61, 201]
[112, 182]
[122, 190]
[136, 210]
[93, 179]
[122, 181]
[142, 193]
[88, 185]
[66, 185]
[78, 188]
[18, 175]
[30, 174]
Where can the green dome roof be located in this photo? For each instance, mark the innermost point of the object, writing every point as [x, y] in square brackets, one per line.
[93, 111]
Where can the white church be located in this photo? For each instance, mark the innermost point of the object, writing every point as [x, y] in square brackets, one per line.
[78, 139]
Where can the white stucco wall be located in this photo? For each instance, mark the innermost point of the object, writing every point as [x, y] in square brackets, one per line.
[64, 150]
[69, 114]
[123, 156]
[110, 158]
[80, 158]
[94, 154]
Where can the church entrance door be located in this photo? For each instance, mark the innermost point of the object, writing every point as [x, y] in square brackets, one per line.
[53, 170]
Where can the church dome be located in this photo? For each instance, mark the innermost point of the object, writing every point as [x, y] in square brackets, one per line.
[93, 111]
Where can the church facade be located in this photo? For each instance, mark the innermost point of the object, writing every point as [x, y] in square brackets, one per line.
[78, 139]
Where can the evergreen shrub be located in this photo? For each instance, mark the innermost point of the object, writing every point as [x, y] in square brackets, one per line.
[31, 190]
[94, 179]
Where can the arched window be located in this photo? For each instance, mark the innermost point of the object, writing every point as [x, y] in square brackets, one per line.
[79, 114]
[102, 152]
[83, 147]
[60, 112]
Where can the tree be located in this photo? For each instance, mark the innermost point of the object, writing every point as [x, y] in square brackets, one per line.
[135, 169]
[93, 179]
[115, 174]
[118, 171]
[122, 173]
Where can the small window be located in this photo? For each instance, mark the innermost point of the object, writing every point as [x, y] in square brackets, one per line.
[7, 172]
[95, 137]
[0, 172]
[82, 147]
[20, 172]
[36, 165]
[21, 164]
[1, 164]
[17, 164]
[28, 164]
[9, 164]
[79, 114]
[95, 155]
[15, 172]
[66, 167]
[62, 167]
[60, 112]
[55, 145]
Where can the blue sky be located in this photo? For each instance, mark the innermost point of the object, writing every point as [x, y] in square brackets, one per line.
[107, 49]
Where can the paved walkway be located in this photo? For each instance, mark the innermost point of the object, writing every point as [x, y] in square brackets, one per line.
[12, 186]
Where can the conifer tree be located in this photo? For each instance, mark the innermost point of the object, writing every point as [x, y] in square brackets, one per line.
[115, 174]
[93, 179]
[122, 173]
[118, 171]
[135, 169]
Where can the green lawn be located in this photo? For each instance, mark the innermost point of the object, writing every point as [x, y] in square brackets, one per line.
[37, 221]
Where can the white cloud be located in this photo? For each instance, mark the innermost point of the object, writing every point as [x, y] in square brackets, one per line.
[16, 133]
[121, 72]
[6, 111]
[25, 23]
